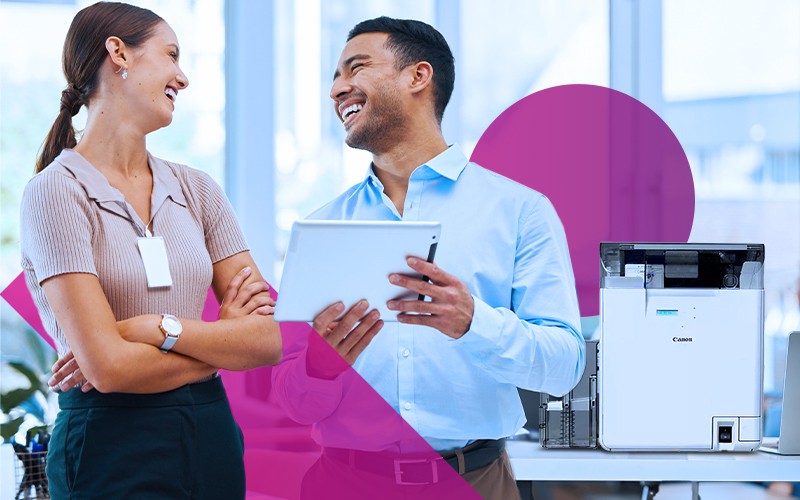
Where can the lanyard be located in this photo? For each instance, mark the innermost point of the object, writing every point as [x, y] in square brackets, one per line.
[146, 233]
[153, 251]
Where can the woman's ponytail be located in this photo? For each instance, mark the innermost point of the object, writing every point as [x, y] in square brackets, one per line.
[62, 134]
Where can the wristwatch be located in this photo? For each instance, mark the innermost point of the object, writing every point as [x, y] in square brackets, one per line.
[171, 327]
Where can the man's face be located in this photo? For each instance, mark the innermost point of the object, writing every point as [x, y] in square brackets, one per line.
[366, 93]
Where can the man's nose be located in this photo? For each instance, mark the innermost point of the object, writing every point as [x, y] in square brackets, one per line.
[340, 88]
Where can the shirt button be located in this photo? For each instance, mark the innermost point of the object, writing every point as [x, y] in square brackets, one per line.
[407, 406]
[406, 353]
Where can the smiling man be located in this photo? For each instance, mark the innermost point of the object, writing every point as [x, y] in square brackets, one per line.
[503, 311]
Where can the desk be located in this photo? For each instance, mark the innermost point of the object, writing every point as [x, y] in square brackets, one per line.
[531, 462]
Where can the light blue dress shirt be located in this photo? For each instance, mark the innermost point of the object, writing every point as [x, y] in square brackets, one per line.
[507, 244]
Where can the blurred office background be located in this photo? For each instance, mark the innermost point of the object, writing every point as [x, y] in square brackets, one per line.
[723, 74]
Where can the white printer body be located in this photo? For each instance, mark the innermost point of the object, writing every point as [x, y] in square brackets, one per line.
[681, 347]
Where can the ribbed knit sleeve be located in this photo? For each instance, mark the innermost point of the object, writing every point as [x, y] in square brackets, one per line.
[56, 227]
[223, 235]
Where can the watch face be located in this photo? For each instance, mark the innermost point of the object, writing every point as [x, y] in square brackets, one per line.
[172, 325]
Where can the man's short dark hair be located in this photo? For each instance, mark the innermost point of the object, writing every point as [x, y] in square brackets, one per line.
[414, 41]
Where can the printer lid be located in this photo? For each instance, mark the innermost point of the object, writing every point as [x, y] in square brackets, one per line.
[682, 265]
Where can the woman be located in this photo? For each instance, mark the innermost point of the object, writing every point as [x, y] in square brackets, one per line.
[110, 233]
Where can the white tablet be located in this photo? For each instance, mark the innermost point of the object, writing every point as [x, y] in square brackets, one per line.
[331, 261]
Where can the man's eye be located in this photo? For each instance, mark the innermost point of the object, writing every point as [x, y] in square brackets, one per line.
[355, 67]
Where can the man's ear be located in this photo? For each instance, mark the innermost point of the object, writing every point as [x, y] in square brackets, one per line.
[421, 76]
[117, 51]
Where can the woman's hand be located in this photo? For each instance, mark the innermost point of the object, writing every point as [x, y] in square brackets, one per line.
[242, 299]
[67, 375]
[66, 372]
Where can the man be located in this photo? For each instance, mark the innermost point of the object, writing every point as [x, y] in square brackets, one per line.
[503, 311]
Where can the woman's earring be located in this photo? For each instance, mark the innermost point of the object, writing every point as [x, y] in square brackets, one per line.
[124, 72]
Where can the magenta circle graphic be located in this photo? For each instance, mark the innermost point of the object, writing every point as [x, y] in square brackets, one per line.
[611, 167]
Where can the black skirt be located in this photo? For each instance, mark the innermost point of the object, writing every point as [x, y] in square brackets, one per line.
[178, 444]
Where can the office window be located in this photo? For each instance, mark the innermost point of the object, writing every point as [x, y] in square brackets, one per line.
[731, 88]
[526, 47]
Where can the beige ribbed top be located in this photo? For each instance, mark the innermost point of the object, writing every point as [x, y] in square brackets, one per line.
[73, 221]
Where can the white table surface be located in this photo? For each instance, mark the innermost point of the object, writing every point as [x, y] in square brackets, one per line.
[531, 462]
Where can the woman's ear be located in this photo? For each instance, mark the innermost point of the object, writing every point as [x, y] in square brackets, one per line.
[117, 51]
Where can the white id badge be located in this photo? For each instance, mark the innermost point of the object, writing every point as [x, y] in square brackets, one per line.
[156, 265]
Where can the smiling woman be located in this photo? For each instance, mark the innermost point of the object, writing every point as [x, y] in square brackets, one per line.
[119, 249]
[31, 82]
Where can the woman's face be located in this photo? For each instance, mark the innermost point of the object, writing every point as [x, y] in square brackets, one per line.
[155, 78]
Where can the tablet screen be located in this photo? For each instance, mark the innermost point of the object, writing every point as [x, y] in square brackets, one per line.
[331, 261]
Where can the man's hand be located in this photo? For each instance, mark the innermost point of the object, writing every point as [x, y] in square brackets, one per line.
[451, 307]
[348, 336]
[240, 299]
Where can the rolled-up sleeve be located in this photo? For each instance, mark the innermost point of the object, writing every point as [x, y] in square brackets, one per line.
[306, 399]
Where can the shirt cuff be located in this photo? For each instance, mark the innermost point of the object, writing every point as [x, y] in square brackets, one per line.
[313, 399]
[485, 330]
[312, 383]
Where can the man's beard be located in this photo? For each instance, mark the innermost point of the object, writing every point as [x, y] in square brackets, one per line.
[377, 132]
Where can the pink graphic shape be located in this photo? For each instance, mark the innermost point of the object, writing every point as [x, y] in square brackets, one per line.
[362, 414]
[612, 168]
[20, 299]
[284, 448]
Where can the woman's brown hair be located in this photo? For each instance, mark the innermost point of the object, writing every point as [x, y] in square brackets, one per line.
[84, 54]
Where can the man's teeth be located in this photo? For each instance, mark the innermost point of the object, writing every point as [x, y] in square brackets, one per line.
[349, 110]
[171, 94]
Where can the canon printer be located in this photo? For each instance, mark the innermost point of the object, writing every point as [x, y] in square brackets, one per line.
[681, 346]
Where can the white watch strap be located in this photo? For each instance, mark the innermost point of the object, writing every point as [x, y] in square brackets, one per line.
[171, 327]
[168, 344]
